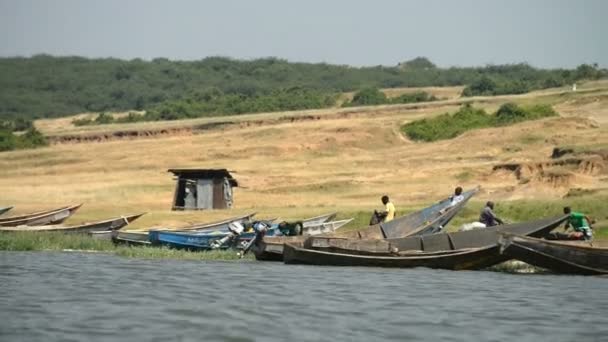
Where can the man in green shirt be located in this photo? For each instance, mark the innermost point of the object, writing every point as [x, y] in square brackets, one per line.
[580, 223]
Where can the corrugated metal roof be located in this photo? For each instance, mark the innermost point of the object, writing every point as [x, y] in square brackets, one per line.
[204, 174]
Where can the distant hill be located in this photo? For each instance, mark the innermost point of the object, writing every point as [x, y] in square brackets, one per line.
[45, 86]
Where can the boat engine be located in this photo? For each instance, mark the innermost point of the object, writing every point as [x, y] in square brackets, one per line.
[235, 229]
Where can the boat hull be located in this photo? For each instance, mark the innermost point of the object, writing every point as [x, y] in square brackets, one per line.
[559, 257]
[92, 227]
[468, 250]
[419, 223]
[4, 210]
[40, 219]
[466, 259]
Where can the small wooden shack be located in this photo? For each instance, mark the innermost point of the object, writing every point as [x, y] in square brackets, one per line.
[199, 189]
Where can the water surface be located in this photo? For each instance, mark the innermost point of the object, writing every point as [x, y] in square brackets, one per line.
[97, 297]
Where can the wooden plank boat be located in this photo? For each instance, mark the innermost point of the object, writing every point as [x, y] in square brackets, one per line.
[324, 227]
[130, 237]
[317, 220]
[5, 209]
[24, 216]
[455, 260]
[218, 225]
[421, 222]
[469, 250]
[98, 226]
[559, 257]
[40, 219]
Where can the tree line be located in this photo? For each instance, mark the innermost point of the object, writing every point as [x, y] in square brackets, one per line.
[44, 86]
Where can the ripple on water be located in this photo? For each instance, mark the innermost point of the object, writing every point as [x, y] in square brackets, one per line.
[70, 296]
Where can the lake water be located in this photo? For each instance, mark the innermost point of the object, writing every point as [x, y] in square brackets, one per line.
[96, 297]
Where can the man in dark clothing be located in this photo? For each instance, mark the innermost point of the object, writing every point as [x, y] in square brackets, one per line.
[488, 217]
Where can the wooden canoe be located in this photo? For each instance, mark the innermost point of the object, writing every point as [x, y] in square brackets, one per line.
[559, 257]
[474, 249]
[40, 219]
[24, 216]
[218, 225]
[418, 223]
[324, 227]
[130, 237]
[4, 210]
[98, 226]
[453, 260]
[317, 220]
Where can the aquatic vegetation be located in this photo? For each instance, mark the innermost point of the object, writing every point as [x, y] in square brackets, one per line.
[57, 241]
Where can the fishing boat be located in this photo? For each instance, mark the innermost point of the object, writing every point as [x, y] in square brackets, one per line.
[560, 257]
[422, 222]
[468, 250]
[130, 237]
[5, 209]
[218, 225]
[317, 220]
[24, 216]
[195, 241]
[42, 218]
[91, 227]
[324, 227]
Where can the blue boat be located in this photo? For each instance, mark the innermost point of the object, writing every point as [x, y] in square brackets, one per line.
[201, 241]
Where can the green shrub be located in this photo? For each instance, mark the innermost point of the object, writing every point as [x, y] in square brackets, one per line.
[416, 97]
[373, 96]
[31, 139]
[448, 126]
[368, 97]
[82, 122]
[104, 118]
[8, 140]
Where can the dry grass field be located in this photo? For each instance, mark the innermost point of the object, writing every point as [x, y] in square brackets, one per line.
[299, 164]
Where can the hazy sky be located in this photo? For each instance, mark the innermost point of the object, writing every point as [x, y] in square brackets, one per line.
[544, 33]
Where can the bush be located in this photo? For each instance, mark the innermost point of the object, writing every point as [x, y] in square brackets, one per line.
[484, 86]
[104, 118]
[510, 113]
[368, 97]
[7, 140]
[448, 126]
[416, 97]
[82, 122]
[373, 96]
[31, 139]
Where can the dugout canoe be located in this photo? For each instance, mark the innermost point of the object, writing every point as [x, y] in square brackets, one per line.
[419, 223]
[91, 227]
[42, 218]
[560, 257]
[4, 210]
[469, 250]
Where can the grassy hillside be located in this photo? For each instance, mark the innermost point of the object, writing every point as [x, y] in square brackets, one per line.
[332, 159]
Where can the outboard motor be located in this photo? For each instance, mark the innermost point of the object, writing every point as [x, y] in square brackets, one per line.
[260, 228]
[235, 229]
